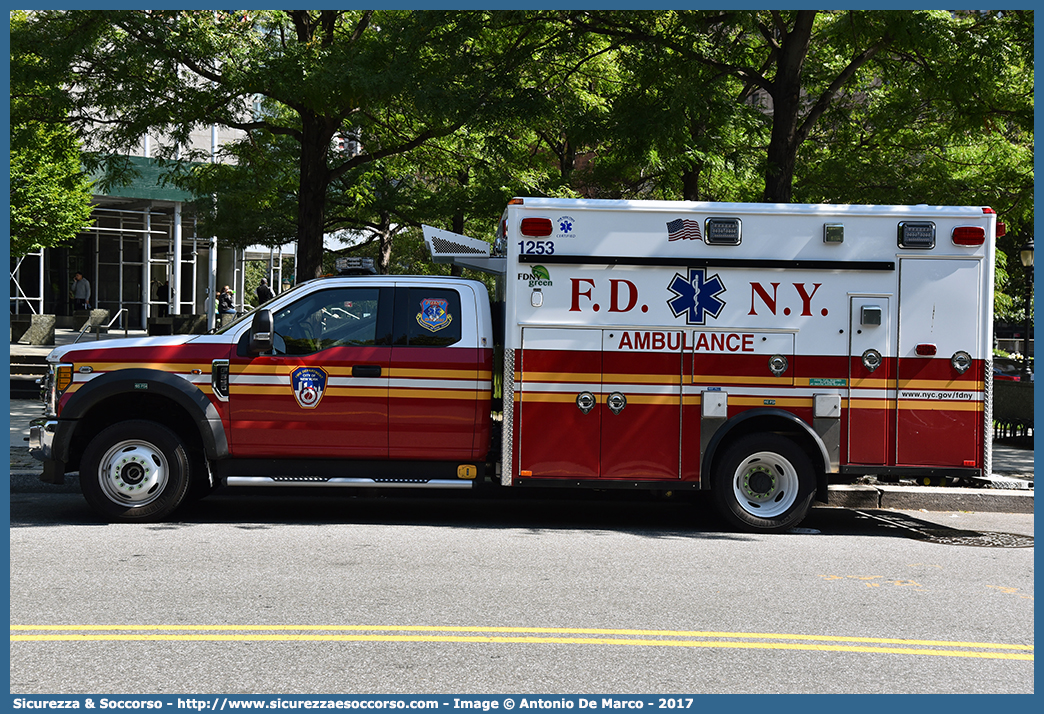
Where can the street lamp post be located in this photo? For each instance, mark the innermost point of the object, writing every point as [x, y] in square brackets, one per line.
[1026, 256]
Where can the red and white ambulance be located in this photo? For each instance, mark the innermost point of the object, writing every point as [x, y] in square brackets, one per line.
[760, 351]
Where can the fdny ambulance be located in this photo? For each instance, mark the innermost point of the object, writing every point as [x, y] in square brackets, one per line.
[758, 351]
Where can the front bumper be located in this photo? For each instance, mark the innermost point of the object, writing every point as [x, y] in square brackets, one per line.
[41, 447]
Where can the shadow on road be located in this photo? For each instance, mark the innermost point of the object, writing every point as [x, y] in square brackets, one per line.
[687, 515]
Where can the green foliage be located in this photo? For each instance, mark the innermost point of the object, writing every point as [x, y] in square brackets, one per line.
[50, 193]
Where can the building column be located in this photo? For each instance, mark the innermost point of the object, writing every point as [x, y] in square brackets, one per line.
[175, 278]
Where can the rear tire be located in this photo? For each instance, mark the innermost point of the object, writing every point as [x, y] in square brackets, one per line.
[135, 471]
[764, 483]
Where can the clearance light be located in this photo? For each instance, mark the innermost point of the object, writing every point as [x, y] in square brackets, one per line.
[968, 235]
[926, 350]
[537, 227]
[63, 377]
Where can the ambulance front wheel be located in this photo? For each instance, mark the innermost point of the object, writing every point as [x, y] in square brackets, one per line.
[764, 483]
[135, 472]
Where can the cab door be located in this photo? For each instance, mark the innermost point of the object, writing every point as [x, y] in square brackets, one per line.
[323, 390]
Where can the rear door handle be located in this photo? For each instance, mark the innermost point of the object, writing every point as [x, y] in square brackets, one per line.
[366, 370]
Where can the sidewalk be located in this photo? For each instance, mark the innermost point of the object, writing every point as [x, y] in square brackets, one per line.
[63, 336]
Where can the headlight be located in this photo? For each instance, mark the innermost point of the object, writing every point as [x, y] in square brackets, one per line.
[58, 379]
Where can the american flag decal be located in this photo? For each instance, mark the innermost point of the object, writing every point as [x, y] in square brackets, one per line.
[683, 229]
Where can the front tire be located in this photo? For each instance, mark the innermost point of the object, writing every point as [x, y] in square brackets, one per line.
[764, 483]
[135, 472]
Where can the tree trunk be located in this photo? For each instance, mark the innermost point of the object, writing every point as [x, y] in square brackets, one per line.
[311, 198]
[385, 250]
[463, 177]
[786, 107]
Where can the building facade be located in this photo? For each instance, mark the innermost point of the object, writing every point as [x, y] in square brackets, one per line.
[143, 256]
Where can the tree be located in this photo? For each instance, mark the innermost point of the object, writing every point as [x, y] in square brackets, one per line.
[50, 193]
[390, 81]
[947, 123]
[798, 62]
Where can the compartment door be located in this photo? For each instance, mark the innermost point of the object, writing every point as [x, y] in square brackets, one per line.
[641, 406]
[558, 410]
[871, 380]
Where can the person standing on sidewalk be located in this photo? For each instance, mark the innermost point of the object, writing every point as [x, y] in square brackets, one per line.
[81, 292]
[264, 293]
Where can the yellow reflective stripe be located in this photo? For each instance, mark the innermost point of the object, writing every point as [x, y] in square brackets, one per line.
[558, 377]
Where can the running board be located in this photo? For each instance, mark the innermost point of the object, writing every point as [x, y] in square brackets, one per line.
[343, 482]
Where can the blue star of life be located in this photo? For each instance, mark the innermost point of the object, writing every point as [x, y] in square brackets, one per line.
[696, 296]
[565, 226]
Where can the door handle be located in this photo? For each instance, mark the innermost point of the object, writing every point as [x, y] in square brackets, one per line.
[366, 370]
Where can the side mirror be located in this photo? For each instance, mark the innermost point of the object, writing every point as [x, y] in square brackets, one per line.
[261, 332]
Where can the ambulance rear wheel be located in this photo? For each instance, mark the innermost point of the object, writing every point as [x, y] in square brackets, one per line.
[135, 471]
[764, 483]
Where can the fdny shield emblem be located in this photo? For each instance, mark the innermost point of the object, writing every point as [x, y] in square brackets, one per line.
[434, 314]
[309, 385]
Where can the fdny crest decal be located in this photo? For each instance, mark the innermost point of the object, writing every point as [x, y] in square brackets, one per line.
[309, 385]
[434, 314]
[696, 296]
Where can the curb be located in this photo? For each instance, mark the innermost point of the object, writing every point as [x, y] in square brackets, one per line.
[914, 498]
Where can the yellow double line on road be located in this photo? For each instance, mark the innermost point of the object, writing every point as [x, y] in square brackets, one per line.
[515, 635]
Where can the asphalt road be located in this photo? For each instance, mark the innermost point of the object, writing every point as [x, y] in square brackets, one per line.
[297, 592]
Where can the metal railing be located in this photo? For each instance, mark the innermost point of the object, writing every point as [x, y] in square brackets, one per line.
[97, 327]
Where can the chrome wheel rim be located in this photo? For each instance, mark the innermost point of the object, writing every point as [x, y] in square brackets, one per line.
[133, 473]
[765, 484]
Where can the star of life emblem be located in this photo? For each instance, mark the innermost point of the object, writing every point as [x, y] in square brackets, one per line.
[434, 314]
[309, 385]
[696, 296]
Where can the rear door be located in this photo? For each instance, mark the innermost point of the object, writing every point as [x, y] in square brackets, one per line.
[439, 384]
[940, 406]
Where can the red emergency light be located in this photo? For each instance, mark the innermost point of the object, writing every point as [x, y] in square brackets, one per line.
[537, 227]
[1002, 229]
[926, 350]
